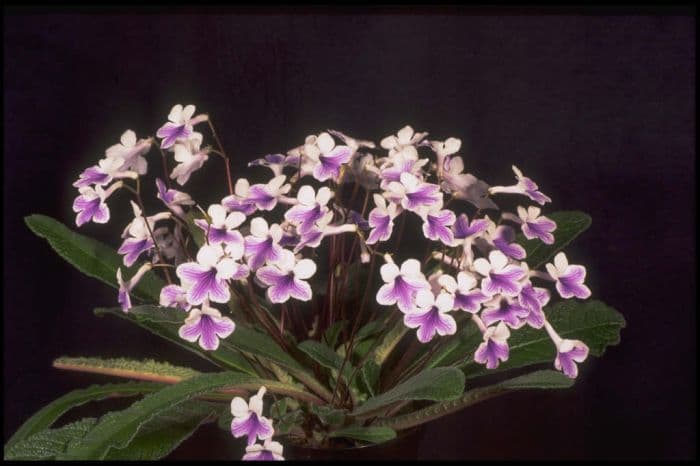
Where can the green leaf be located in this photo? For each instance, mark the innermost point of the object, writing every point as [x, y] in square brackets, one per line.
[436, 384]
[369, 329]
[595, 323]
[328, 415]
[534, 380]
[325, 356]
[330, 336]
[391, 339]
[288, 422]
[47, 415]
[48, 443]
[91, 257]
[161, 435]
[162, 322]
[369, 434]
[570, 224]
[116, 430]
[370, 376]
[147, 369]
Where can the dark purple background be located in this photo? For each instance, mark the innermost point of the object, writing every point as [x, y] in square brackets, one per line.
[600, 111]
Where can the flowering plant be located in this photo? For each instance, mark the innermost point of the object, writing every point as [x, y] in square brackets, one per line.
[364, 289]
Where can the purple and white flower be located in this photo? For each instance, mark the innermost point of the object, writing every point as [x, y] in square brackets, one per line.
[222, 228]
[499, 276]
[402, 285]
[437, 223]
[569, 352]
[467, 296]
[268, 451]
[180, 126]
[431, 316]
[172, 198]
[442, 150]
[494, 349]
[207, 278]
[90, 205]
[206, 326]
[248, 419]
[311, 207]
[265, 196]
[285, 278]
[103, 173]
[238, 201]
[503, 238]
[524, 186]
[413, 194]
[125, 288]
[131, 152]
[395, 166]
[190, 159]
[534, 299]
[404, 142]
[535, 225]
[262, 245]
[174, 296]
[569, 278]
[381, 219]
[327, 157]
[275, 162]
[506, 310]
[137, 235]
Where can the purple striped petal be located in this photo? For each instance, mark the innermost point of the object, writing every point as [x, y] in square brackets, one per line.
[426, 195]
[252, 426]
[436, 227]
[570, 283]
[566, 362]
[382, 226]
[490, 352]
[504, 282]
[471, 301]
[133, 248]
[541, 228]
[170, 133]
[511, 313]
[430, 323]
[92, 175]
[261, 198]
[401, 292]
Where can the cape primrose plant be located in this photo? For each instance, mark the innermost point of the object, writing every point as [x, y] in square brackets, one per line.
[357, 291]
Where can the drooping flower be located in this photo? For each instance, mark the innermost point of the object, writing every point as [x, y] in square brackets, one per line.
[467, 296]
[494, 348]
[180, 126]
[569, 278]
[414, 194]
[248, 418]
[401, 284]
[499, 276]
[268, 451]
[206, 326]
[502, 237]
[131, 152]
[90, 205]
[525, 186]
[534, 299]
[536, 226]
[190, 158]
[464, 229]
[137, 235]
[431, 316]
[172, 198]
[437, 223]
[262, 245]
[207, 278]
[222, 228]
[275, 162]
[327, 157]
[381, 219]
[285, 278]
[506, 310]
[569, 352]
[265, 196]
[174, 296]
[125, 288]
[311, 207]
[101, 174]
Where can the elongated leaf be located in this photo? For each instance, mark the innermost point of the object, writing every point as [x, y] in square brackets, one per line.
[325, 356]
[329, 416]
[570, 224]
[370, 376]
[48, 443]
[389, 342]
[161, 435]
[369, 329]
[535, 380]
[47, 415]
[118, 429]
[91, 257]
[369, 434]
[436, 384]
[330, 336]
[161, 322]
[593, 322]
[121, 367]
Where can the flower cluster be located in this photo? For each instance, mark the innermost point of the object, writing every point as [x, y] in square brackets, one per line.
[262, 238]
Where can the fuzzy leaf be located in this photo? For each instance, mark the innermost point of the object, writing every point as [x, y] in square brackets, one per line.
[147, 369]
[570, 224]
[436, 384]
[593, 322]
[330, 336]
[369, 434]
[329, 416]
[91, 257]
[48, 443]
[533, 380]
[325, 356]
